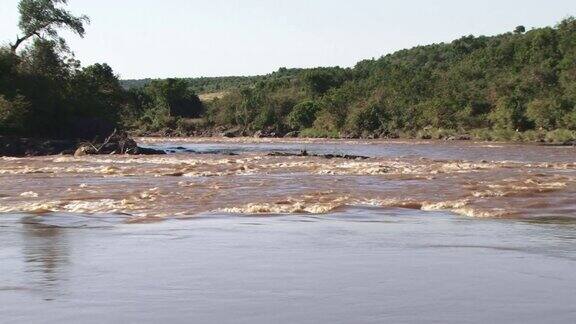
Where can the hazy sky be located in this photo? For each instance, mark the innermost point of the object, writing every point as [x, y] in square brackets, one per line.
[181, 38]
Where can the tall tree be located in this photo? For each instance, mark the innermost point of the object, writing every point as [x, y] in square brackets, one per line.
[43, 18]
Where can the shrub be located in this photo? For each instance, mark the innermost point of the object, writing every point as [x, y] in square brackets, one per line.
[13, 115]
[533, 136]
[501, 134]
[367, 119]
[545, 113]
[561, 136]
[482, 134]
[509, 114]
[435, 133]
[569, 120]
[303, 115]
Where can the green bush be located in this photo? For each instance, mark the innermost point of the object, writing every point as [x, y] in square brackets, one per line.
[561, 136]
[435, 133]
[544, 113]
[303, 115]
[534, 136]
[569, 120]
[502, 135]
[482, 134]
[13, 115]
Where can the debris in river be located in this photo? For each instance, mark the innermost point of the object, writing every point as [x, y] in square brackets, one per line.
[326, 156]
[117, 143]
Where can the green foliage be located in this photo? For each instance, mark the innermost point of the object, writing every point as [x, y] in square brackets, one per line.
[561, 136]
[319, 81]
[219, 84]
[98, 93]
[569, 120]
[13, 114]
[545, 113]
[318, 133]
[511, 83]
[508, 114]
[43, 18]
[62, 99]
[44, 92]
[372, 118]
[520, 30]
[435, 133]
[534, 136]
[176, 96]
[303, 115]
[557, 136]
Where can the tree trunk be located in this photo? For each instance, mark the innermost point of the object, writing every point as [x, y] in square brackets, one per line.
[19, 41]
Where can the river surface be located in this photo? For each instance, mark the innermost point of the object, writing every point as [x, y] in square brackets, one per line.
[219, 231]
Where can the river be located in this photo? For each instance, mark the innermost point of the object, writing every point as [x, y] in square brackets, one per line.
[221, 231]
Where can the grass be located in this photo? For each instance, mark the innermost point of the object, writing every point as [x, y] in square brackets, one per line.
[207, 97]
[558, 136]
[315, 133]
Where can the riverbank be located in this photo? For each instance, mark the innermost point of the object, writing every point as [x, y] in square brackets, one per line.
[27, 147]
[116, 143]
[21, 147]
[552, 137]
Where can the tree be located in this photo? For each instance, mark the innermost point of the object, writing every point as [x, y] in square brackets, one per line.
[371, 118]
[13, 114]
[176, 96]
[98, 93]
[520, 30]
[320, 80]
[43, 18]
[303, 115]
[509, 114]
[545, 113]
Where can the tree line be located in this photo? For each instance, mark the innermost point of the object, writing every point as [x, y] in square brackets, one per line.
[521, 83]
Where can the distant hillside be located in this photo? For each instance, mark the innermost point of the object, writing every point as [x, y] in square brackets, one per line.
[517, 81]
[215, 84]
[516, 85]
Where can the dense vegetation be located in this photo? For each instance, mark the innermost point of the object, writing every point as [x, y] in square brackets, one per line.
[519, 85]
[44, 91]
[489, 86]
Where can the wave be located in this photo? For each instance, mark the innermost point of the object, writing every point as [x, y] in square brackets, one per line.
[301, 206]
[167, 186]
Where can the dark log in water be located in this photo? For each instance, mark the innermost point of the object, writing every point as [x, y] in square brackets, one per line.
[326, 156]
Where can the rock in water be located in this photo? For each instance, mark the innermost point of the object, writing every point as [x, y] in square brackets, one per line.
[85, 149]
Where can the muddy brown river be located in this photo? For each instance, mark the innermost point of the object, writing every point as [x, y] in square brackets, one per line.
[219, 231]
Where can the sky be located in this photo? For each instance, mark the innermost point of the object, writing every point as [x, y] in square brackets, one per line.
[193, 38]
